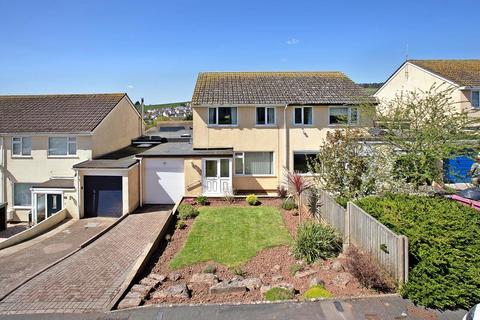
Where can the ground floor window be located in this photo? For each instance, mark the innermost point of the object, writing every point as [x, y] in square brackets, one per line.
[22, 196]
[302, 159]
[254, 163]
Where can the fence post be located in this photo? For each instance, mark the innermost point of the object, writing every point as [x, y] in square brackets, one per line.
[346, 233]
[405, 259]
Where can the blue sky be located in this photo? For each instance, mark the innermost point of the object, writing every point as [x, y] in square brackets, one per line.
[154, 49]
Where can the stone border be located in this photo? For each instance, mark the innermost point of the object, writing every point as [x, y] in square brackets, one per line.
[142, 261]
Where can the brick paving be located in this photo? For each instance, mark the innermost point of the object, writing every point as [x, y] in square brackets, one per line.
[24, 260]
[88, 280]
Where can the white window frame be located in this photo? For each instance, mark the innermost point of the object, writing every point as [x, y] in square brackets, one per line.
[266, 124]
[216, 124]
[471, 98]
[349, 117]
[13, 196]
[303, 152]
[303, 124]
[68, 154]
[241, 155]
[21, 155]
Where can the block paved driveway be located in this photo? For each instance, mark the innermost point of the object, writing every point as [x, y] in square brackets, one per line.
[88, 280]
[22, 261]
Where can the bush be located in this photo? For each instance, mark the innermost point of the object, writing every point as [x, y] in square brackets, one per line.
[187, 211]
[444, 247]
[316, 241]
[210, 268]
[282, 192]
[202, 200]
[316, 292]
[289, 204]
[294, 268]
[239, 272]
[367, 271]
[276, 294]
[180, 224]
[252, 199]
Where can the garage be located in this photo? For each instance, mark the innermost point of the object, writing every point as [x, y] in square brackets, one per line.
[164, 180]
[103, 196]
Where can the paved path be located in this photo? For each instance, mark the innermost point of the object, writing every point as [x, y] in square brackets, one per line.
[387, 308]
[89, 279]
[22, 261]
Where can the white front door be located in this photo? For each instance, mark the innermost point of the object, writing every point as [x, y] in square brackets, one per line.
[217, 176]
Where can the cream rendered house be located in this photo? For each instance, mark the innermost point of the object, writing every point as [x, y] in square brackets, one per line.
[247, 128]
[460, 76]
[43, 137]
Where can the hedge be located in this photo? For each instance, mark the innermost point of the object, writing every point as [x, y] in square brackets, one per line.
[444, 246]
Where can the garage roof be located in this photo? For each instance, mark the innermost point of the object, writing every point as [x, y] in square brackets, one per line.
[55, 184]
[181, 149]
[106, 164]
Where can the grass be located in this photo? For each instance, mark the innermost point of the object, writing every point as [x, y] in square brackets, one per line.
[277, 294]
[232, 235]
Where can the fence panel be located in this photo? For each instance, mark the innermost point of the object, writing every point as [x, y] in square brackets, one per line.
[332, 213]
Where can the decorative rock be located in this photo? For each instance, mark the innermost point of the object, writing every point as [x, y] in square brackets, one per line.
[252, 283]
[141, 289]
[286, 286]
[178, 291]
[228, 286]
[209, 278]
[317, 282]
[276, 268]
[303, 274]
[342, 279]
[262, 275]
[149, 282]
[337, 266]
[129, 303]
[277, 278]
[134, 295]
[325, 267]
[174, 276]
[156, 276]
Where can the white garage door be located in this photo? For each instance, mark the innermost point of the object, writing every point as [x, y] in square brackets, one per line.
[164, 181]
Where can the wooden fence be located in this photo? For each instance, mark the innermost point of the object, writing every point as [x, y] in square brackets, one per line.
[367, 233]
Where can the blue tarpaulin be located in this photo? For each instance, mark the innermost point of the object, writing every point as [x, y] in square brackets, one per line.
[455, 169]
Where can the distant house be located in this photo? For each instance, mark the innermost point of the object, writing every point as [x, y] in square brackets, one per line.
[461, 76]
[43, 137]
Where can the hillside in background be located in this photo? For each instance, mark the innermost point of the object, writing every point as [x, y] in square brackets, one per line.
[162, 106]
[371, 88]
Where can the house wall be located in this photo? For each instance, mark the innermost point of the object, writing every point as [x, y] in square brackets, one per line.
[117, 129]
[39, 167]
[246, 136]
[193, 176]
[133, 188]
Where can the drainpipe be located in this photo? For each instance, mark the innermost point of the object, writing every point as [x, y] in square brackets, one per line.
[140, 181]
[286, 136]
[2, 168]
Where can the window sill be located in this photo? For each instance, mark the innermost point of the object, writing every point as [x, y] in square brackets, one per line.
[21, 208]
[303, 125]
[340, 125]
[266, 126]
[222, 126]
[64, 157]
[22, 157]
[255, 175]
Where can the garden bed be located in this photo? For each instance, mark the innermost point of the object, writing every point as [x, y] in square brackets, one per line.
[270, 263]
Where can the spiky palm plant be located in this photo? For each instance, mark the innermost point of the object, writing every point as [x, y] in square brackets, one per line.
[298, 184]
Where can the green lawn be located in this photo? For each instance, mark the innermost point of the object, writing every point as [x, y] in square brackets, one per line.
[232, 235]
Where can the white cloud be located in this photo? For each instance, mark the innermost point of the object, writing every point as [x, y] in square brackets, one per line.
[292, 41]
[130, 86]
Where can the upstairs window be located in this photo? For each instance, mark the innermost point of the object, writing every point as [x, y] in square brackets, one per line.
[21, 146]
[62, 146]
[222, 116]
[303, 116]
[343, 115]
[476, 99]
[265, 116]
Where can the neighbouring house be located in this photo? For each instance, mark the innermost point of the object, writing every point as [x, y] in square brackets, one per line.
[248, 127]
[43, 138]
[460, 76]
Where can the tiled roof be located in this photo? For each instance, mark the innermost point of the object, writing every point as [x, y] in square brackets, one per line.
[461, 72]
[277, 88]
[74, 113]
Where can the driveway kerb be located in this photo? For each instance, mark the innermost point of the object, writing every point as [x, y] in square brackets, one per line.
[142, 260]
[83, 245]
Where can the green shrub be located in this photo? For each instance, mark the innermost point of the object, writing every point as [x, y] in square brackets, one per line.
[252, 199]
[210, 268]
[276, 294]
[289, 204]
[316, 292]
[180, 224]
[294, 268]
[238, 272]
[201, 200]
[187, 211]
[316, 241]
[444, 247]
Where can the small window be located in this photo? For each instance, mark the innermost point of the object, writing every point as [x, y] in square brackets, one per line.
[22, 196]
[254, 163]
[265, 116]
[343, 115]
[21, 146]
[476, 99]
[301, 161]
[62, 146]
[222, 116]
[303, 115]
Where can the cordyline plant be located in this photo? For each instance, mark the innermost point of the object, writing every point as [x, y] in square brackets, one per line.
[422, 128]
[297, 184]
